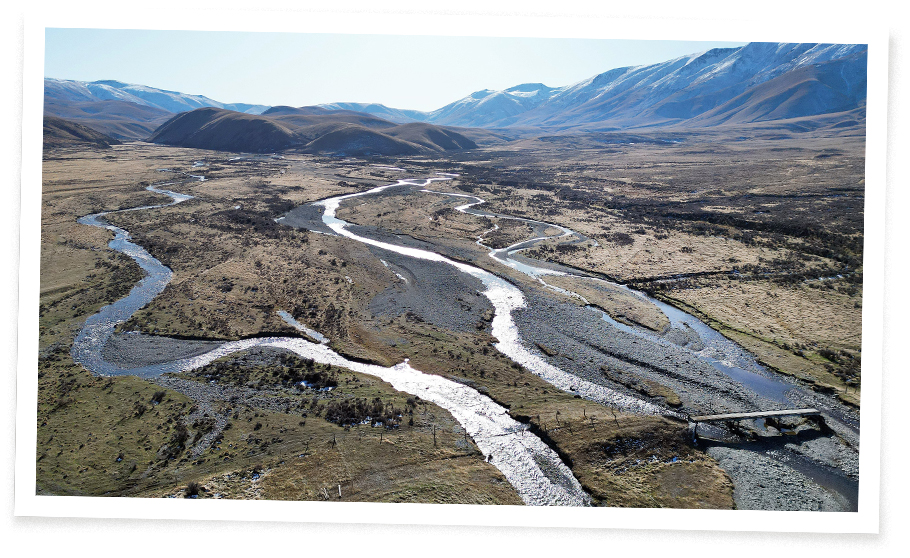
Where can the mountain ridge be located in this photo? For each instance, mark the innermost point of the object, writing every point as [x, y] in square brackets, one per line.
[675, 92]
[170, 101]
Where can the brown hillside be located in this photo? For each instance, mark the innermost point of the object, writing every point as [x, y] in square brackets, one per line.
[337, 132]
[64, 133]
[118, 119]
[225, 130]
[431, 137]
[357, 140]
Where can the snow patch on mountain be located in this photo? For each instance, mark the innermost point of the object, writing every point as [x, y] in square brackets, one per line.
[664, 93]
[171, 101]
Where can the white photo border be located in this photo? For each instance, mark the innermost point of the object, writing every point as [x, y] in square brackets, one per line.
[866, 520]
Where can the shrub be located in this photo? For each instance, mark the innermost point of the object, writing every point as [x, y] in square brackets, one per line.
[355, 411]
[177, 442]
[191, 490]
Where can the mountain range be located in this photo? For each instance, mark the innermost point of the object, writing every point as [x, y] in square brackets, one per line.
[170, 101]
[755, 83]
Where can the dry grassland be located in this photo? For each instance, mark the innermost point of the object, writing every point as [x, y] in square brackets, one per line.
[811, 333]
[622, 305]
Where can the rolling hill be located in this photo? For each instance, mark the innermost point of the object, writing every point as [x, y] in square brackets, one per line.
[342, 133]
[65, 133]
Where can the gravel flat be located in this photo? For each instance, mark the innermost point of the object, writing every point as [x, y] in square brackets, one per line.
[435, 292]
[134, 350]
[585, 343]
[762, 483]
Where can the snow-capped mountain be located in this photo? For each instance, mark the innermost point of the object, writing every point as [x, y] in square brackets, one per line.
[170, 101]
[719, 85]
[480, 109]
[493, 108]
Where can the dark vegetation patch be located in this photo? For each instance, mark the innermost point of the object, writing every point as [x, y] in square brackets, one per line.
[285, 370]
[350, 411]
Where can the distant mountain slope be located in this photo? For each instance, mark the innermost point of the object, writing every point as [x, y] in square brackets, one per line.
[824, 88]
[488, 108]
[65, 133]
[681, 90]
[480, 109]
[314, 116]
[337, 133]
[171, 101]
[283, 110]
[400, 116]
[119, 119]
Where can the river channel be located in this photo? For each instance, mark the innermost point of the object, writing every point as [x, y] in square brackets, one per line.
[719, 370]
[535, 471]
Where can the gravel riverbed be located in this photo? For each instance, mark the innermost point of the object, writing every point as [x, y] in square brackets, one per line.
[134, 350]
[578, 342]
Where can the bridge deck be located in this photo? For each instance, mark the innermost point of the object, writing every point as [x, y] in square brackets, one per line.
[759, 414]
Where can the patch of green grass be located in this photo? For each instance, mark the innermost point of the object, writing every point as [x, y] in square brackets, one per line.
[100, 436]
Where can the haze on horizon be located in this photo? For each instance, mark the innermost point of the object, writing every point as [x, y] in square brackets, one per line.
[406, 72]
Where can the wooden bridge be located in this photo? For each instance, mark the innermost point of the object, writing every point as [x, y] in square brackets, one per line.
[729, 417]
[756, 415]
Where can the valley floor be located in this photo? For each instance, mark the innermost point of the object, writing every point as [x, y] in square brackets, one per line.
[242, 427]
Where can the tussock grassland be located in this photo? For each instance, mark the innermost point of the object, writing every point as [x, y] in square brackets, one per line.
[100, 436]
[619, 303]
[808, 330]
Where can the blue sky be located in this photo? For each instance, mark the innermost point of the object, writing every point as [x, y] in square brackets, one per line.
[415, 72]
